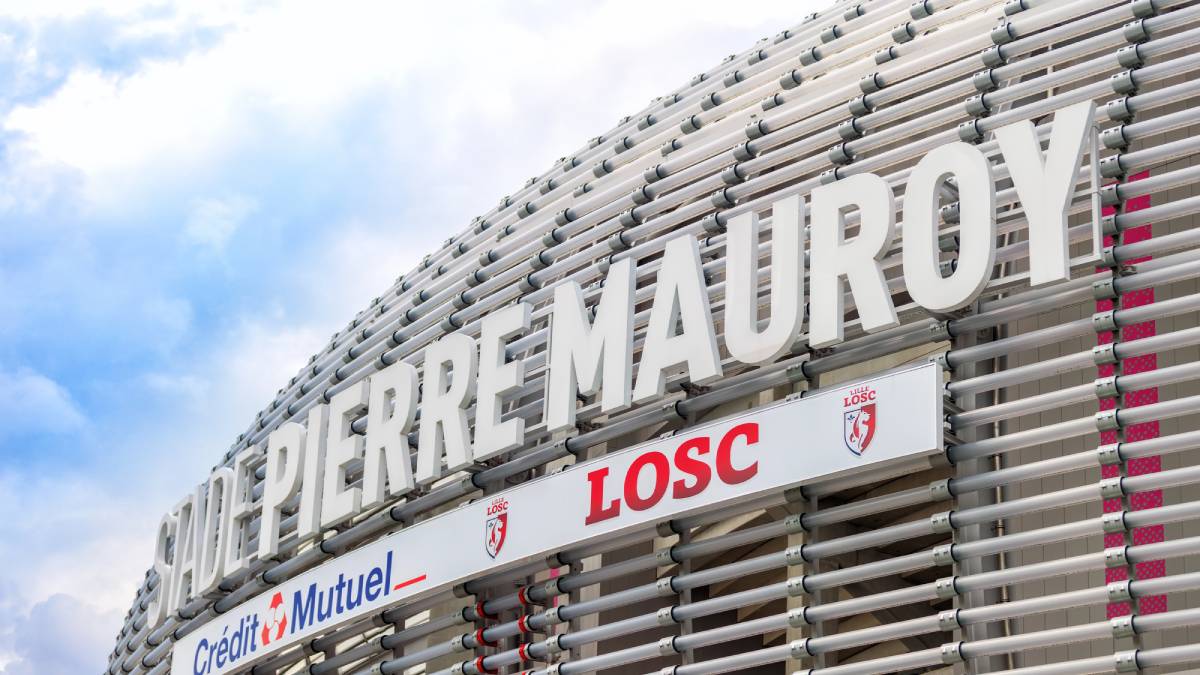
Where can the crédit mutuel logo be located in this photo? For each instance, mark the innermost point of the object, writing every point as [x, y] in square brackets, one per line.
[495, 528]
[285, 613]
[858, 418]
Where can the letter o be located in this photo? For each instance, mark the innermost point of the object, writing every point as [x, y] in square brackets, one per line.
[662, 471]
[976, 227]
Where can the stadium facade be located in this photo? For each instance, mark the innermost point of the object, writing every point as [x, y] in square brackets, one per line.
[873, 349]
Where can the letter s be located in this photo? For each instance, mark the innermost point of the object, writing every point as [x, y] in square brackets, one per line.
[692, 467]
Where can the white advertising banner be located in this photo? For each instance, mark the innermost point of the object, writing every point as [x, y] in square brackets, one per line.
[860, 425]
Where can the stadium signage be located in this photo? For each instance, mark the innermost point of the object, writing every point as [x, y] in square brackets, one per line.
[713, 465]
[209, 536]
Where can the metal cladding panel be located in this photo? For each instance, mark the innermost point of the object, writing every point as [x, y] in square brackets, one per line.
[1070, 433]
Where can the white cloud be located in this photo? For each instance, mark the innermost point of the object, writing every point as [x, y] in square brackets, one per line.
[33, 403]
[36, 640]
[214, 220]
[380, 127]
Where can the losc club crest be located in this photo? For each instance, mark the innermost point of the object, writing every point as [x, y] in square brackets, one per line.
[858, 418]
[495, 528]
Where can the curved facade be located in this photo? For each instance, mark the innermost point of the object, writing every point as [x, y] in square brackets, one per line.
[876, 346]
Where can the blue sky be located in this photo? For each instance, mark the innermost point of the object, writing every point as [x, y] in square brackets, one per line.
[193, 198]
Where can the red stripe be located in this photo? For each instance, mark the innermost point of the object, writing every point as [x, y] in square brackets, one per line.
[1138, 364]
[410, 582]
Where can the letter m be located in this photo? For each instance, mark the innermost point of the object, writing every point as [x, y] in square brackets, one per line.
[304, 608]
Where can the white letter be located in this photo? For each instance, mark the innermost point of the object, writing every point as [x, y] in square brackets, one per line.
[680, 299]
[184, 566]
[237, 553]
[976, 227]
[1045, 184]
[745, 342]
[578, 347]
[339, 502]
[390, 416]
[498, 377]
[157, 609]
[211, 553]
[444, 406]
[285, 456]
[858, 259]
[308, 521]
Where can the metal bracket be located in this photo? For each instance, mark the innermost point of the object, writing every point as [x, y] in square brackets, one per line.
[840, 154]
[711, 101]
[939, 490]
[1119, 591]
[870, 83]
[1109, 454]
[794, 524]
[968, 132]
[977, 105]
[858, 106]
[1106, 387]
[552, 616]
[666, 646]
[1107, 420]
[1130, 56]
[666, 616]
[743, 152]
[1122, 627]
[798, 649]
[1116, 556]
[1126, 662]
[946, 587]
[794, 555]
[666, 586]
[1118, 110]
[943, 555]
[1113, 521]
[1112, 488]
[948, 620]
[797, 617]
[552, 645]
[796, 586]
[1103, 322]
[1123, 83]
[952, 652]
[1015, 7]
[1105, 354]
[940, 523]
[1144, 8]
[1105, 289]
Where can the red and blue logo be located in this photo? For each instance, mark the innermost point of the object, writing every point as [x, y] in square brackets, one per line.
[858, 418]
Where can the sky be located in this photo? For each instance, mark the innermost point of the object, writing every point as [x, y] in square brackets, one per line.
[195, 197]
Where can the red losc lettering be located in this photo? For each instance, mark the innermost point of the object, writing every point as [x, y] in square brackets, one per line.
[694, 473]
[662, 473]
[693, 467]
[598, 511]
[725, 469]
